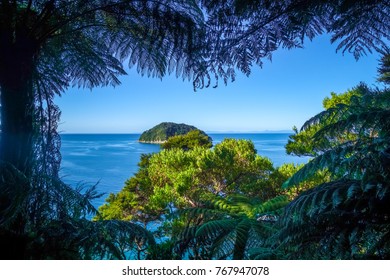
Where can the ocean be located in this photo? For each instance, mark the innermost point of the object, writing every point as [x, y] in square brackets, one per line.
[108, 160]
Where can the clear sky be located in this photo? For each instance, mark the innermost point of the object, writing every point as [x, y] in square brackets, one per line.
[285, 92]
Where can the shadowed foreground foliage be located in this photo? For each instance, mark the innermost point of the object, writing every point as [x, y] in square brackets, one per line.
[48, 46]
[56, 219]
[348, 217]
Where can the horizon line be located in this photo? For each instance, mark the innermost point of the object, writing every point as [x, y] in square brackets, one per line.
[211, 132]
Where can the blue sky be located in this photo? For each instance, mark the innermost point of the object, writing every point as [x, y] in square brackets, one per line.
[285, 92]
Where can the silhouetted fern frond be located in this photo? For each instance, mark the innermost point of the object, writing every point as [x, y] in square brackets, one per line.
[347, 217]
[229, 226]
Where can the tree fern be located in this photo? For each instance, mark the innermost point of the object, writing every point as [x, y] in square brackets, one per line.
[228, 227]
[384, 67]
[347, 217]
[57, 226]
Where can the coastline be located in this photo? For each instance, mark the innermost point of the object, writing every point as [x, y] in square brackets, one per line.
[152, 142]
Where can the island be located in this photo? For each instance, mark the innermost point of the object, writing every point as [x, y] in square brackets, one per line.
[160, 133]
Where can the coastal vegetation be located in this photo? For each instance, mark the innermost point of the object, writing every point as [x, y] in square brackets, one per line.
[189, 141]
[228, 202]
[221, 202]
[161, 132]
[347, 217]
[177, 190]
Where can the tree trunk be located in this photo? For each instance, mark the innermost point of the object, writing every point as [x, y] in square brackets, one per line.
[17, 109]
[19, 49]
[16, 145]
[17, 128]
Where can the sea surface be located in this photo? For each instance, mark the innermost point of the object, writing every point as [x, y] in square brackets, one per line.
[108, 160]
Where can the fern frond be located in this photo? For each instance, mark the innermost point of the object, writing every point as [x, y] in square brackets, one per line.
[14, 190]
[271, 205]
[215, 227]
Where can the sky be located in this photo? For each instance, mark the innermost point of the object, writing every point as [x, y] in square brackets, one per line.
[284, 93]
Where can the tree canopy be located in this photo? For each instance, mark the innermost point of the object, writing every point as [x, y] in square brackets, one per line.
[182, 178]
[207, 201]
[346, 217]
[46, 47]
[301, 142]
[194, 138]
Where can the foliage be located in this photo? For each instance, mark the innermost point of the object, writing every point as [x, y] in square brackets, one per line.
[48, 46]
[131, 203]
[194, 138]
[163, 251]
[227, 186]
[384, 67]
[226, 228]
[301, 143]
[176, 179]
[163, 131]
[348, 217]
[245, 32]
[56, 225]
[282, 173]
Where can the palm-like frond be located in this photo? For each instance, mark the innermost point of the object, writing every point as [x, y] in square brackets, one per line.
[83, 239]
[12, 185]
[384, 66]
[244, 33]
[366, 118]
[347, 217]
[341, 213]
[361, 26]
[228, 227]
[56, 224]
[87, 42]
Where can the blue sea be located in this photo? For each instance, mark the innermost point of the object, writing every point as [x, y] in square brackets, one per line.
[110, 159]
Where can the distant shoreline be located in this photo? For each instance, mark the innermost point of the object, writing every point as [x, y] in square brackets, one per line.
[208, 132]
[151, 142]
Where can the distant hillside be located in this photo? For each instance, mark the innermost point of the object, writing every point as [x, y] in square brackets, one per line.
[160, 133]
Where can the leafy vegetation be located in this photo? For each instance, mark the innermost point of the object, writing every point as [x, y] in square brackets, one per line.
[348, 217]
[194, 138]
[187, 193]
[228, 202]
[301, 143]
[161, 132]
[227, 227]
[56, 222]
[48, 46]
[384, 67]
[175, 178]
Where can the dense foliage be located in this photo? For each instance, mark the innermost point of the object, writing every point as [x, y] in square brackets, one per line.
[175, 178]
[301, 143]
[47, 46]
[56, 220]
[194, 138]
[161, 132]
[348, 217]
[227, 227]
[228, 202]
[384, 67]
[180, 190]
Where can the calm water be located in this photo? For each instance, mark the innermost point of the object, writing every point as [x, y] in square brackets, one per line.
[111, 159]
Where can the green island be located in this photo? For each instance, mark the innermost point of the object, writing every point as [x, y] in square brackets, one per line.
[161, 132]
